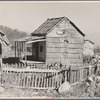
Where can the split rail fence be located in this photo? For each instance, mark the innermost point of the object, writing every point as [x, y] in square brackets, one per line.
[41, 77]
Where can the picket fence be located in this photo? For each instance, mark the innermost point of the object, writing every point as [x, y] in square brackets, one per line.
[42, 77]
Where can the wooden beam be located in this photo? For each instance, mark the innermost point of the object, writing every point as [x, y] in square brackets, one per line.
[15, 49]
[25, 52]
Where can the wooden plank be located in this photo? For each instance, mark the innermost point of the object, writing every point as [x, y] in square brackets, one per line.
[32, 79]
[72, 77]
[15, 79]
[56, 50]
[45, 81]
[22, 76]
[4, 76]
[39, 76]
[55, 39]
[65, 78]
[53, 45]
[15, 48]
[9, 78]
[61, 78]
[76, 75]
[36, 79]
[52, 79]
[30, 70]
[75, 61]
[27, 80]
[18, 78]
[24, 79]
[57, 55]
[74, 56]
[41, 81]
[77, 51]
[75, 40]
[12, 78]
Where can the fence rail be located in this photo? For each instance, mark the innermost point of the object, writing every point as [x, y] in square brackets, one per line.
[15, 76]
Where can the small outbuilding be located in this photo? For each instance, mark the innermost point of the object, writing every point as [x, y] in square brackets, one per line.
[56, 40]
[88, 48]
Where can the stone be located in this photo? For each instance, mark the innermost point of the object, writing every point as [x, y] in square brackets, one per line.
[65, 87]
[90, 78]
[98, 85]
[97, 79]
[1, 89]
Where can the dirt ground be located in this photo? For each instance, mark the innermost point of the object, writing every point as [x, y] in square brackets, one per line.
[78, 92]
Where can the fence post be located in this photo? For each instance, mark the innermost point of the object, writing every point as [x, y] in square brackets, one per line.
[0, 63]
[81, 74]
[69, 74]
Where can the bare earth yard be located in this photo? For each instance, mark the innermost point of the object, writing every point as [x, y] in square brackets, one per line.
[79, 92]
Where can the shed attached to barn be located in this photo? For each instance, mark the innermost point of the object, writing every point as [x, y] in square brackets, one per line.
[56, 40]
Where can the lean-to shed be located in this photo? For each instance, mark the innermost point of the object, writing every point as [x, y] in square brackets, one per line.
[57, 40]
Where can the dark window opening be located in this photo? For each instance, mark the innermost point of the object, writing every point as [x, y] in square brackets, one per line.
[41, 48]
[33, 45]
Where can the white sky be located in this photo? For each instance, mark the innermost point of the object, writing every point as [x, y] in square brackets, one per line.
[27, 16]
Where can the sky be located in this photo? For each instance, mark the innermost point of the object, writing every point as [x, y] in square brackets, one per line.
[27, 16]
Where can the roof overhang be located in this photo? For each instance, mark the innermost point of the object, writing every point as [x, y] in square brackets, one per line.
[31, 38]
[40, 40]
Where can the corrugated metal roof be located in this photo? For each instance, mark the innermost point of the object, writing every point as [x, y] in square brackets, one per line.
[49, 24]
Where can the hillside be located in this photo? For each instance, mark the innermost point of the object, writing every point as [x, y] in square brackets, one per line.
[12, 33]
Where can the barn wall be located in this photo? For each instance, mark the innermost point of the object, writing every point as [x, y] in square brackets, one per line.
[64, 44]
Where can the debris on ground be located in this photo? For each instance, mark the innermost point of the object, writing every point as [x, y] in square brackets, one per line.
[90, 87]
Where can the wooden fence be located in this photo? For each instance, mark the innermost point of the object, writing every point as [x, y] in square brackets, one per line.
[41, 78]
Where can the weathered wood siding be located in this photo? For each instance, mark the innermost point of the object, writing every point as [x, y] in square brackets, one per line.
[64, 44]
[88, 48]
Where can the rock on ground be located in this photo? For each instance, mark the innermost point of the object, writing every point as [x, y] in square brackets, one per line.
[1, 89]
[65, 87]
[97, 78]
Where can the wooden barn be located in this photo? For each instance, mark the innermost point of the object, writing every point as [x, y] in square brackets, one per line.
[5, 45]
[56, 40]
[88, 49]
